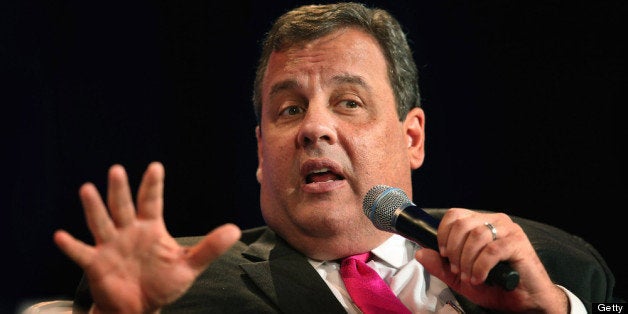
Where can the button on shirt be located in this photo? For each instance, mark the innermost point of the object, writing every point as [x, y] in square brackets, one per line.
[394, 262]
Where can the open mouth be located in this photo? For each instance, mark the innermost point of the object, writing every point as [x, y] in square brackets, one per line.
[322, 175]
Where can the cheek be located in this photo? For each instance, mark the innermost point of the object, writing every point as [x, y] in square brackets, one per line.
[380, 150]
[385, 142]
[275, 158]
[367, 150]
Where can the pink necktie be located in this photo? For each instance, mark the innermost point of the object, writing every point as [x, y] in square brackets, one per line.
[367, 289]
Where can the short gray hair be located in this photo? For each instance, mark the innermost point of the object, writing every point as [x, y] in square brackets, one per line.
[309, 22]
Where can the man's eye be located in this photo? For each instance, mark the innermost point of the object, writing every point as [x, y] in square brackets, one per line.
[350, 104]
[292, 110]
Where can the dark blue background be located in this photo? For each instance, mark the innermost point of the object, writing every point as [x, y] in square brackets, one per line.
[522, 99]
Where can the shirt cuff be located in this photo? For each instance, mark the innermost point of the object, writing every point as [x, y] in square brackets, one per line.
[575, 304]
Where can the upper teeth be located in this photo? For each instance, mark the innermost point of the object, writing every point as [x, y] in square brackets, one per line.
[320, 170]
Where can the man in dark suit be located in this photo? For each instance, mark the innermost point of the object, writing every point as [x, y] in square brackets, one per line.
[337, 100]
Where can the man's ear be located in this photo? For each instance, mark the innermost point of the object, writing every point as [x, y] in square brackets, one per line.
[414, 126]
[258, 136]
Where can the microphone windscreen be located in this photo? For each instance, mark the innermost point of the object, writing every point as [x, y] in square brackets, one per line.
[381, 203]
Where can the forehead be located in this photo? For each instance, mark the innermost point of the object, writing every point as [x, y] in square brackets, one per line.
[349, 51]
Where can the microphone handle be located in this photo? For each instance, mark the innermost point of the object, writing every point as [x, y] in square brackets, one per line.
[502, 274]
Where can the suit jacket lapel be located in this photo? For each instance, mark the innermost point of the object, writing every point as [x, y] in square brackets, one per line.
[287, 278]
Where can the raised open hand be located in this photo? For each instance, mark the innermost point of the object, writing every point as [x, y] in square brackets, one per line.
[136, 266]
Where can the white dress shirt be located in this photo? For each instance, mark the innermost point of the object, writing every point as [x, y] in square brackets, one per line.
[394, 261]
[421, 292]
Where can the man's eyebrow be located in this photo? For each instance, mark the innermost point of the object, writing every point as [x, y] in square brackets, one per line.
[350, 79]
[337, 79]
[283, 85]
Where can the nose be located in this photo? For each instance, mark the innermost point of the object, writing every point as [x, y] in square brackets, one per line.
[319, 124]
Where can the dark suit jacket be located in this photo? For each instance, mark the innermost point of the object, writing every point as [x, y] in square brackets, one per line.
[263, 274]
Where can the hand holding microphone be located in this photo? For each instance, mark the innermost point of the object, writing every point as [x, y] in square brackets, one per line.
[391, 210]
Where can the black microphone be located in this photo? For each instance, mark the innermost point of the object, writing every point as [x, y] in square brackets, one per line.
[391, 210]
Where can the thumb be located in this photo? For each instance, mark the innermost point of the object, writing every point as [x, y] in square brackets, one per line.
[435, 265]
[217, 242]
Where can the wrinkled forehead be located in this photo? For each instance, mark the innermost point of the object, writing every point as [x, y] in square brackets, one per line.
[343, 53]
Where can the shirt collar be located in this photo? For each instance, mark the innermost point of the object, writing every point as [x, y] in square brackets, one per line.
[396, 251]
